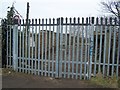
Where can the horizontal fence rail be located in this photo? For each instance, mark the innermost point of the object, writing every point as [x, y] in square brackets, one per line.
[65, 47]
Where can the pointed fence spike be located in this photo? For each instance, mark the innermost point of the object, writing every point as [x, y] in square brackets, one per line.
[97, 20]
[82, 20]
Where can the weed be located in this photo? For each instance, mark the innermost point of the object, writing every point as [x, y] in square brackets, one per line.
[109, 82]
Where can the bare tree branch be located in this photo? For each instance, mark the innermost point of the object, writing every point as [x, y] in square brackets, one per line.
[112, 7]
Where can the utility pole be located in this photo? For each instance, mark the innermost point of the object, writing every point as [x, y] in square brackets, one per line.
[27, 22]
[27, 32]
[27, 16]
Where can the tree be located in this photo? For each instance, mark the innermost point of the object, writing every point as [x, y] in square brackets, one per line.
[5, 29]
[10, 15]
[112, 7]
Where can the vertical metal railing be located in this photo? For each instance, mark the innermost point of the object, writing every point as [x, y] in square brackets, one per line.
[86, 49]
[49, 50]
[35, 39]
[100, 46]
[118, 47]
[57, 47]
[109, 49]
[10, 44]
[104, 56]
[61, 48]
[39, 49]
[96, 46]
[113, 51]
[91, 46]
[73, 47]
[81, 49]
[69, 55]
[42, 60]
[66, 47]
[22, 49]
[19, 48]
[78, 47]
[7, 48]
[29, 60]
[53, 48]
[81, 58]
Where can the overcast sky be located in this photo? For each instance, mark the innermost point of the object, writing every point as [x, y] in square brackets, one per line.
[53, 8]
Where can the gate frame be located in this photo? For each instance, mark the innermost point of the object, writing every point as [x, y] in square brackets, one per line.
[58, 60]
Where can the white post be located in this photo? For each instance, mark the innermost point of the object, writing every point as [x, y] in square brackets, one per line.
[15, 46]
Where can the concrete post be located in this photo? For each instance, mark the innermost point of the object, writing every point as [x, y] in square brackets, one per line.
[15, 28]
[15, 45]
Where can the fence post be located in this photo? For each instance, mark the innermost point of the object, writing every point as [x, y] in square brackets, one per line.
[0, 46]
[15, 28]
[0, 57]
[57, 47]
[118, 46]
[91, 46]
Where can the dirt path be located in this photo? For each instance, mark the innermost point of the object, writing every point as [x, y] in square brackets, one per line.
[43, 82]
[20, 80]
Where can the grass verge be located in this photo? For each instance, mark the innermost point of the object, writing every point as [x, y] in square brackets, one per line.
[107, 82]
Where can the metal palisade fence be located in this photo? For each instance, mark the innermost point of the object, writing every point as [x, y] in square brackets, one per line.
[65, 47]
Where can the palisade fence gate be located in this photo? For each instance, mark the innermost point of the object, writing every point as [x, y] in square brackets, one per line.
[64, 47]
